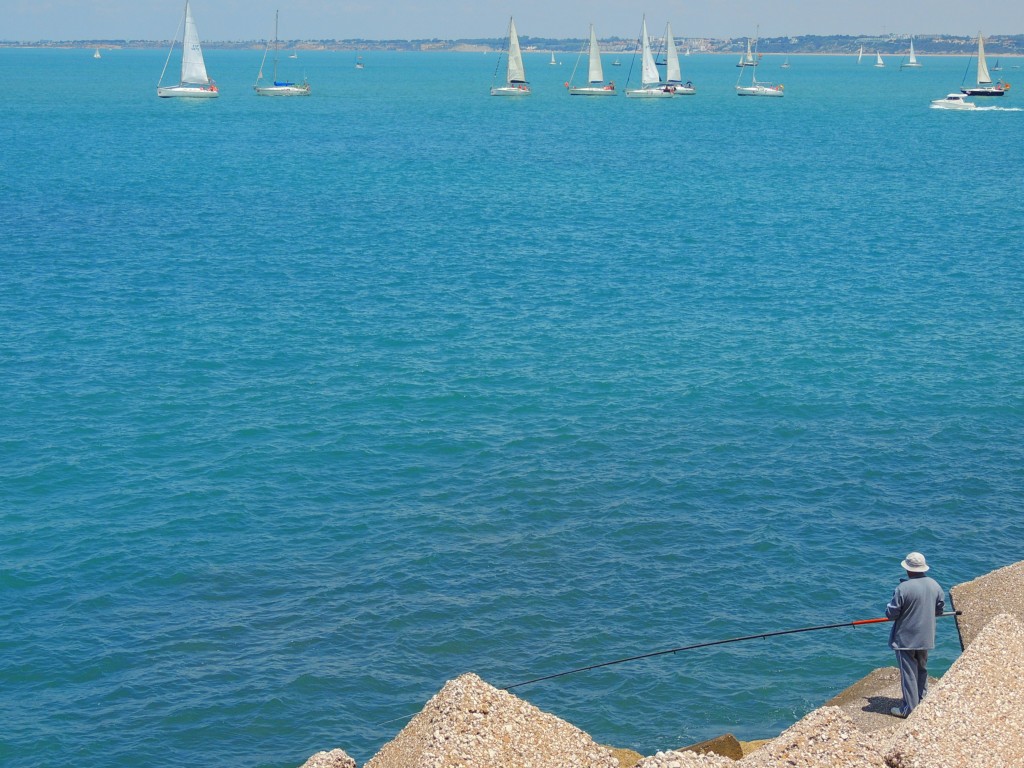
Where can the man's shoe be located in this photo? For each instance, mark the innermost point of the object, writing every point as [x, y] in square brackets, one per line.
[898, 712]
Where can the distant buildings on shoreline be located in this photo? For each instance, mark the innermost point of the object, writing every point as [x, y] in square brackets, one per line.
[1005, 45]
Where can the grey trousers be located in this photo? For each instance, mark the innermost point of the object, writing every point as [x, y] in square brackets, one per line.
[913, 677]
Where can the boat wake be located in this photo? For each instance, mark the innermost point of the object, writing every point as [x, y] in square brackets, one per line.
[999, 109]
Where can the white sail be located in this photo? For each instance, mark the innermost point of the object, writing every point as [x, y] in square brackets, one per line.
[984, 78]
[648, 70]
[596, 72]
[913, 58]
[193, 69]
[860, 54]
[672, 71]
[750, 59]
[516, 72]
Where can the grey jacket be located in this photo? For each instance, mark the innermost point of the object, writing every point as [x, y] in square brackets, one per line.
[913, 608]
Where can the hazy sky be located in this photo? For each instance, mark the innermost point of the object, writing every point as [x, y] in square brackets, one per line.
[413, 19]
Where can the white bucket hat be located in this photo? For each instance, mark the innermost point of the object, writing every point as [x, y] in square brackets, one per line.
[914, 562]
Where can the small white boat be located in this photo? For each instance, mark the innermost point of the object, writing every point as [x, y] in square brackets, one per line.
[860, 54]
[785, 64]
[195, 83]
[595, 73]
[553, 63]
[878, 59]
[912, 59]
[97, 54]
[651, 86]
[953, 101]
[749, 60]
[616, 63]
[515, 73]
[359, 62]
[985, 86]
[294, 55]
[278, 87]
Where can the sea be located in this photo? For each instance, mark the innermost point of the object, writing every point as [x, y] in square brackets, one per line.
[308, 406]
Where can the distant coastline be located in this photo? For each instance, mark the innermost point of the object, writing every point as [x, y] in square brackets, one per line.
[943, 45]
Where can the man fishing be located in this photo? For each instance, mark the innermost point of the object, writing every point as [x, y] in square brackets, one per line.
[916, 602]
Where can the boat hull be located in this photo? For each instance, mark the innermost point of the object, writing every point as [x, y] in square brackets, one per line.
[188, 91]
[982, 91]
[759, 90]
[683, 90]
[281, 90]
[592, 91]
[510, 90]
[649, 93]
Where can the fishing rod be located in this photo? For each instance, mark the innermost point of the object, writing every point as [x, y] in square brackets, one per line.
[858, 623]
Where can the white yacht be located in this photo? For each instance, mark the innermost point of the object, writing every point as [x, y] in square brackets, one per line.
[953, 101]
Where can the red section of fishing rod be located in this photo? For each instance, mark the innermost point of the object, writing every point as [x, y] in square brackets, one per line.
[857, 623]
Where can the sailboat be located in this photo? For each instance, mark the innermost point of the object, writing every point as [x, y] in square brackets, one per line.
[553, 63]
[650, 81]
[748, 60]
[359, 62]
[912, 59]
[195, 82]
[97, 54]
[785, 64]
[985, 86]
[595, 73]
[278, 87]
[860, 54]
[995, 67]
[756, 87]
[673, 75]
[515, 74]
[878, 59]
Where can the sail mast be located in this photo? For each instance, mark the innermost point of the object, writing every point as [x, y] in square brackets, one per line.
[193, 68]
[276, 47]
[515, 73]
[648, 71]
[984, 78]
[672, 72]
[596, 74]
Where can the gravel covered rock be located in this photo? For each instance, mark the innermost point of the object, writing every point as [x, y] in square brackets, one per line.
[826, 738]
[336, 758]
[683, 759]
[470, 724]
[984, 598]
[974, 716]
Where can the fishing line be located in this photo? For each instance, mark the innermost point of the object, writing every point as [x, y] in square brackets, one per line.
[652, 654]
[706, 645]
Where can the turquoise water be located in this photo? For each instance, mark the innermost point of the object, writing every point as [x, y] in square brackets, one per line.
[311, 405]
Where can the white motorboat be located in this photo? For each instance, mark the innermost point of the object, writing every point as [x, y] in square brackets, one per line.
[515, 74]
[953, 101]
[195, 83]
[595, 72]
[651, 86]
[278, 87]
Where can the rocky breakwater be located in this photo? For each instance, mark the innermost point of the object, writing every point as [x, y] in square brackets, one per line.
[973, 717]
